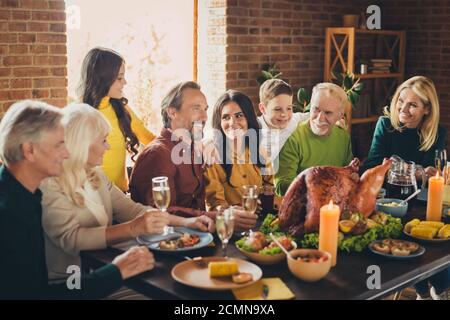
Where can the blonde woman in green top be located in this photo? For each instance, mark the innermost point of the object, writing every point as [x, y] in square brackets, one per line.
[318, 141]
[410, 127]
[411, 130]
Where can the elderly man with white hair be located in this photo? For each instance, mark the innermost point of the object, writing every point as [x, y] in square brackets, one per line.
[318, 141]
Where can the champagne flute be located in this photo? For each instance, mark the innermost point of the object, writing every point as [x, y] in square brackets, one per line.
[250, 197]
[161, 197]
[225, 227]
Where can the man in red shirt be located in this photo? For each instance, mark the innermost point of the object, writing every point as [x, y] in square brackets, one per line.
[172, 154]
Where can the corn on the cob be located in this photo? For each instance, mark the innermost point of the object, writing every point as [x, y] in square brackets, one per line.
[444, 232]
[433, 224]
[424, 232]
[222, 268]
[411, 224]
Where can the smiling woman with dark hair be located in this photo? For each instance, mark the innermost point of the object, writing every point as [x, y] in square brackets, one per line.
[101, 85]
[237, 138]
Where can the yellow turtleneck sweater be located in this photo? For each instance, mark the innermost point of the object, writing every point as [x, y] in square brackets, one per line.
[114, 158]
[220, 193]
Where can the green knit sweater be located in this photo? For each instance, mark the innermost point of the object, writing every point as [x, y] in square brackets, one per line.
[304, 149]
[387, 142]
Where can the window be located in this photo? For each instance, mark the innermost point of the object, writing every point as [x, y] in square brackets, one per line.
[156, 38]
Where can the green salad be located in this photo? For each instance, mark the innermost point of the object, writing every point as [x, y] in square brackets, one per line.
[269, 224]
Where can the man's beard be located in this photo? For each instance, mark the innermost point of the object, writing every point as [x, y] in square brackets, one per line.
[318, 131]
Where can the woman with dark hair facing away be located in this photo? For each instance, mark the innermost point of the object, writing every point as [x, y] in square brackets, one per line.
[236, 135]
[101, 86]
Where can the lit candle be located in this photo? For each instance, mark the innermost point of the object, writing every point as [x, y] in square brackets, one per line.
[329, 230]
[435, 194]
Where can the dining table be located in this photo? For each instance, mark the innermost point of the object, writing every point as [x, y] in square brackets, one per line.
[351, 278]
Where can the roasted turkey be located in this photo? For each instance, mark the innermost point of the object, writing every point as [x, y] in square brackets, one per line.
[316, 186]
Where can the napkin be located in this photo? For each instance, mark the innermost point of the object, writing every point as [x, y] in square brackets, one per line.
[277, 290]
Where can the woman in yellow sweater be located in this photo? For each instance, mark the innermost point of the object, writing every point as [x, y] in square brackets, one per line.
[237, 138]
[101, 86]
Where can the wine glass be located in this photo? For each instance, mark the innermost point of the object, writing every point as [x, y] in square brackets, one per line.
[161, 197]
[250, 197]
[225, 227]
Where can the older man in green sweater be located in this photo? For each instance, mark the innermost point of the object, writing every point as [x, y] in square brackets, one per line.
[318, 141]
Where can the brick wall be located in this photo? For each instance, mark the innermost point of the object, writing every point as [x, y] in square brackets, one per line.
[290, 33]
[33, 54]
[428, 42]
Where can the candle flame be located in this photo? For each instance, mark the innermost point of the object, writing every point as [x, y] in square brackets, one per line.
[330, 205]
[437, 174]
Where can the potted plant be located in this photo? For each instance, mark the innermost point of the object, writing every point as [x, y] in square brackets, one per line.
[269, 71]
[347, 81]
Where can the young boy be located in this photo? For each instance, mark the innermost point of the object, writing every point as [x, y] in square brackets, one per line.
[278, 120]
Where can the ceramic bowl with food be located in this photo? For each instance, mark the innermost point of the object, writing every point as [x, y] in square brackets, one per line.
[395, 207]
[309, 264]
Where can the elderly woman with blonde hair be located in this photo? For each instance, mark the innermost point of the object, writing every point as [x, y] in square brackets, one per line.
[410, 126]
[80, 204]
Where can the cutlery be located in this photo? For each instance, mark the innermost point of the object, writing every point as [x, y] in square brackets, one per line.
[167, 237]
[411, 196]
[198, 261]
[279, 244]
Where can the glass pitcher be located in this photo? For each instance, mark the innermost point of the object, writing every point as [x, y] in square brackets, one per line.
[401, 182]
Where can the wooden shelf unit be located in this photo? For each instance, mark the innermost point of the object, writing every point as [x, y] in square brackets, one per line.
[340, 48]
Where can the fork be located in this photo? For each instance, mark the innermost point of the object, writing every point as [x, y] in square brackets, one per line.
[170, 236]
